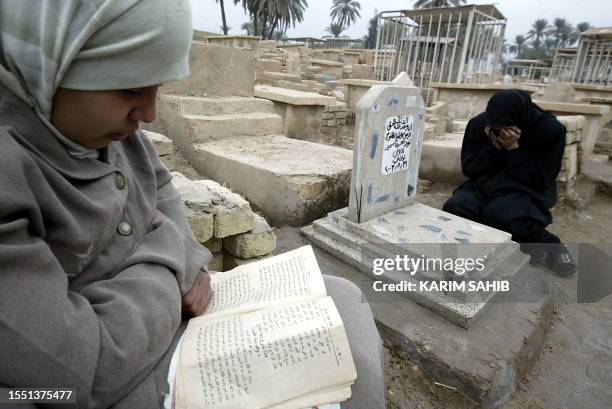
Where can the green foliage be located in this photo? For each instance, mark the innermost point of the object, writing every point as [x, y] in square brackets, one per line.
[270, 16]
[334, 29]
[345, 12]
[423, 4]
[369, 39]
[543, 38]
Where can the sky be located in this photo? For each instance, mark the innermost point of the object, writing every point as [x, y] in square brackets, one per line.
[520, 14]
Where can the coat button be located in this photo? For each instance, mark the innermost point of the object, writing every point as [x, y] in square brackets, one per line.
[119, 181]
[124, 229]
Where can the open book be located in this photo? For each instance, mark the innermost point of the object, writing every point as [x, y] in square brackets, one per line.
[270, 338]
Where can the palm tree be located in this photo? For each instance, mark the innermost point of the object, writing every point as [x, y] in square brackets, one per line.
[580, 27]
[248, 27]
[423, 4]
[335, 29]
[562, 32]
[224, 26]
[268, 15]
[539, 29]
[345, 12]
[369, 40]
[517, 47]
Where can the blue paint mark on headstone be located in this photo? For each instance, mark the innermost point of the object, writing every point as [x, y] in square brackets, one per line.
[397, 198]
[399, 212]
[376, 108]
[462, 240]
[393, 100]
[402, 240]
[444, 218]
[409, 190]
[370, 193]
[465, 233]
[382, 198]
[374, 145]
[429, 227]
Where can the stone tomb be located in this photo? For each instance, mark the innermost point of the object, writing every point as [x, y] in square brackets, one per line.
[383, 219]
[481, 358]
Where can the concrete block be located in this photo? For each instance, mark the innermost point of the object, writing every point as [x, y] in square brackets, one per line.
[236, 76]
[232, 214]
[231, 262]
[206, 127]
[168, 161]
[441, 159]
[341, 115]
[292, 97]
[459, 125]
[265, 169]
[599, 158]
[570, 162]
[216, 264]
[573, 137]
[163, 144]
[264, 64]
[568, 121]
[259, 241]
[214, 244]
[202, 224]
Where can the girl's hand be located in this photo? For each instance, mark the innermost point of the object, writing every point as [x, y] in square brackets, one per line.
[198, 297]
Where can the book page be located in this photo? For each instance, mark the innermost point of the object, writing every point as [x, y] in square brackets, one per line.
[316, 400]
[288, 277]
[263, 358]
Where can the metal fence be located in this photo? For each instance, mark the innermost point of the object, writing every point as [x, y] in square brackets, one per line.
[593, 62]
[563, 64]
[447, 44]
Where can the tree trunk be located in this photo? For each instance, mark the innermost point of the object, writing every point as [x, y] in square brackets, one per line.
[223, 17]
[273, 28]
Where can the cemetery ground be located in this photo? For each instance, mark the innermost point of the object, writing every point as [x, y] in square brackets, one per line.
[571, 371]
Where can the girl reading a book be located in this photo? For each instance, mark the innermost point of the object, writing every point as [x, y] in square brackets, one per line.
[99, 264]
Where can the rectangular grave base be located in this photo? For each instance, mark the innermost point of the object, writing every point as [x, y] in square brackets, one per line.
[484, 362]
[348, 242]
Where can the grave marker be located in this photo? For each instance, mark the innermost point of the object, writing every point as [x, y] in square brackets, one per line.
[389, 131]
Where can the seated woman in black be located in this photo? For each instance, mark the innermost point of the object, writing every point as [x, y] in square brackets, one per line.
[512, 155]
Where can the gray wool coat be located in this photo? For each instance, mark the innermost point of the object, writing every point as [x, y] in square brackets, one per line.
[94, 258]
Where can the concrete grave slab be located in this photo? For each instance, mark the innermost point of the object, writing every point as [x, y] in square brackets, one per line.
[293, 182]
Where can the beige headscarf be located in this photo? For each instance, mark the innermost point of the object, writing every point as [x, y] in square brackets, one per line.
[90, 45]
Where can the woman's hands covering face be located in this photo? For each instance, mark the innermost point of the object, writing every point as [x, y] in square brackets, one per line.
[506, 138]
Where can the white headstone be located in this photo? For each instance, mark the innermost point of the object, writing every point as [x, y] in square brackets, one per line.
[389, 129]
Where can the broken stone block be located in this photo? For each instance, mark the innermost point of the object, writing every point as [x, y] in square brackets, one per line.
[163, 145]
[216, 264]
[201, 224]
[430, 131]
[232, 214]
[569, 164]
[230, 262]
[259, 241]
[459, 125]
[214, 244]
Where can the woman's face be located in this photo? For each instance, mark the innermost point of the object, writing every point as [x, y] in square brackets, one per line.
[95, 119]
